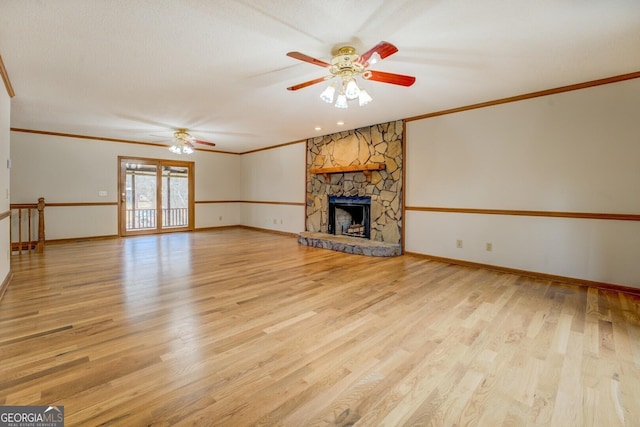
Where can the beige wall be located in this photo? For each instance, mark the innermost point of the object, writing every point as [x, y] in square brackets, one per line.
[72, 170]
[571, 152]
[276, 175]
[5, 242]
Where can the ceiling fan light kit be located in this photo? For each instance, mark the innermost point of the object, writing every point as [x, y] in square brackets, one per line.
[364, 98]
[183, 142]
[328, 93]
[181, 148]
[351, 90]
[345, 66]
[341, 102]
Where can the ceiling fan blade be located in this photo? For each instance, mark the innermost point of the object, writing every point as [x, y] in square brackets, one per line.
[199, 141]
[383, 49]
[395, 79]
[309, 83]
[307, 58]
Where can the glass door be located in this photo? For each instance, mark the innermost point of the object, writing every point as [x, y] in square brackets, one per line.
[175, 196]
[140, 196]
[155, 196]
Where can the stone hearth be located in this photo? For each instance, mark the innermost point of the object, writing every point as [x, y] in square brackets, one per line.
[349, 245]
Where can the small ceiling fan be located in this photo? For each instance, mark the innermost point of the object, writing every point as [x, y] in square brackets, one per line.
[183, 142]
[347, 64]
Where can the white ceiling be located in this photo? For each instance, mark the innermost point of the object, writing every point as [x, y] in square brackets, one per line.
[135, 69]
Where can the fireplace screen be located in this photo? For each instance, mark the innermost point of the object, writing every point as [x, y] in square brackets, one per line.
[350, 216]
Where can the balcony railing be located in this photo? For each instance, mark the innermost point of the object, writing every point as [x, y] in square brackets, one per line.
[27, 227]
[140, 219]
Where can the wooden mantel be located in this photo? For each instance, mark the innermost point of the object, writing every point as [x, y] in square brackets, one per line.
[366, 169]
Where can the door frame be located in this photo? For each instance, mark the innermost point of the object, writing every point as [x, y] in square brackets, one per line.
[159, 163]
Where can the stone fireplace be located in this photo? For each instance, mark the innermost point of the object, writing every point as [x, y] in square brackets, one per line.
[350, 216]
[352, 167]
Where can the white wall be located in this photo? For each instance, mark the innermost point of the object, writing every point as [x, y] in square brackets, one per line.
[73, 170]
[571, 152]
[275, 175]
[218, 178]
[5, 241]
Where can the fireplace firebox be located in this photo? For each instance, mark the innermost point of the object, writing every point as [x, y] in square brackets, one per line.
[350, 216]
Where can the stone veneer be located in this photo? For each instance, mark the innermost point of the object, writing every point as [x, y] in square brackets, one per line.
[349, 245]
[375, 144]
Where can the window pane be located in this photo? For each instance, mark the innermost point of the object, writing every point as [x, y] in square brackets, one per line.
[175, 196]
[141, 196]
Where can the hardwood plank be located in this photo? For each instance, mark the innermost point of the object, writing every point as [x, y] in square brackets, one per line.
[238, 327]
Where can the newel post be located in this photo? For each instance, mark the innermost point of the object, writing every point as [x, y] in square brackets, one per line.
[40, 245]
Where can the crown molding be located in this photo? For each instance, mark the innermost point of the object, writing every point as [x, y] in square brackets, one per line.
[578, 86]
[271, 147]
[100, 138]
[5, 79]
[562, 89]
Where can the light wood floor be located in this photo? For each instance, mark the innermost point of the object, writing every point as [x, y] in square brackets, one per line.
[239, 328]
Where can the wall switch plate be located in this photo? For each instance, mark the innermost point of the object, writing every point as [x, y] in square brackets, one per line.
[102, 193]
[458, 244]
[489, 247]
[8, 163]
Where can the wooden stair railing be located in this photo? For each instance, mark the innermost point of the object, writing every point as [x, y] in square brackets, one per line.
[24, 215]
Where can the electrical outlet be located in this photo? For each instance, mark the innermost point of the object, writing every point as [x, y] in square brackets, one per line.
[102, 193]
[489, 247]
[459, 244]
[220, 218]
[275, 221]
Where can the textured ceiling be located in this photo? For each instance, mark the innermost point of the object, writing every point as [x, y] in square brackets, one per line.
[136, 69]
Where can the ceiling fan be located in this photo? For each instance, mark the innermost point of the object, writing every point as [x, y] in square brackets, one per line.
[347, 64]
[183, 142]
